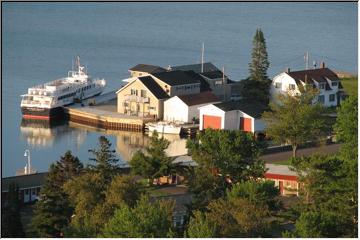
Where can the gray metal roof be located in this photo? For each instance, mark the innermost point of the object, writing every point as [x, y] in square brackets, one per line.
[279, 169]
[147, 68]
[251, 108]
[174, 78]
[24, 181]
[208, 67]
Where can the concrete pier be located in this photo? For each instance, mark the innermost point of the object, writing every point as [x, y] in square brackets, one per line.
[101, 112]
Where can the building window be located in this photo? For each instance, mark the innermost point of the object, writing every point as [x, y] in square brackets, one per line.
[331, 97]
[278, 84]
[292, 86]
[143, 93]
[322, 86]
[334, 84]
[321, 99]
[133, 92]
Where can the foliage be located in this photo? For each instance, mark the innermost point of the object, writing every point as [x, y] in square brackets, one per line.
[257, 192]
[229, 152]
[53, 211]
[319, 224]
[259, 58]
[123, 189]
[326, 198]
[105, 160]
[200, 227]
[205, 186]
[146, 219]
[155, 163]
[346, 127]
[295, 119]
[11, 226]
[350, 85]
[93, 206]
[255, 90]
[85, 193]
[235, 217]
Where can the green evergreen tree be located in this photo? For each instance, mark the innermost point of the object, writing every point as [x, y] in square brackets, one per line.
[146, 220]
[326, 198]
[154, 163]
[105, 160]
[256, 87]
[259, 58]
[11, 226]
[53, 211]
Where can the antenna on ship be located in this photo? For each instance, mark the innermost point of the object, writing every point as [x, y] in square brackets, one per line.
[202, 58]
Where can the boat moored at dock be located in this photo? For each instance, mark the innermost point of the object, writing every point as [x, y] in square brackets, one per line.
[45, 101]
[164, 127]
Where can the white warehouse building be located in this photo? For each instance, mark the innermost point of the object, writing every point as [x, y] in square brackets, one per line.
[232, 116]
[186, 107]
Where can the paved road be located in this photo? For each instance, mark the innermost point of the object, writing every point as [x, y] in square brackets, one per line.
[281, 156]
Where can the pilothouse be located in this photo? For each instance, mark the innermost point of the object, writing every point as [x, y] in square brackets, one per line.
[45, 101]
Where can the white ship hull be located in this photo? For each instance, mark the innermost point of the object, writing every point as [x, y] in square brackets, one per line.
[164, 128]
[45, 101]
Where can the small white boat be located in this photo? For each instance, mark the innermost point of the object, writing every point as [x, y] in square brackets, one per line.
[164, 127]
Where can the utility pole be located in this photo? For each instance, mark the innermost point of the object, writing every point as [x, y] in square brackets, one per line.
[224, 91]
[307, 60]
[202, 58]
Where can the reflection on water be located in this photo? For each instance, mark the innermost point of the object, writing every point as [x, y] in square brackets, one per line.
[43, 134]
[127, 143]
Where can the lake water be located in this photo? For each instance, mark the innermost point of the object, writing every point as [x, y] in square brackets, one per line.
[41, 39]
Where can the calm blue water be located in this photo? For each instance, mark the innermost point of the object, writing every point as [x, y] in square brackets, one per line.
[40, 40]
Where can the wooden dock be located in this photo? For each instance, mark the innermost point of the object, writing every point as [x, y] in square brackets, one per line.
[101, 112]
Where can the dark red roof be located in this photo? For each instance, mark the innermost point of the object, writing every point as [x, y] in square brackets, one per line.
[312, 75]
[198, 98]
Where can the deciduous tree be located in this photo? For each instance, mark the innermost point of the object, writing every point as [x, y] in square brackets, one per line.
[295, 120]
[228, 152]
[147, 219]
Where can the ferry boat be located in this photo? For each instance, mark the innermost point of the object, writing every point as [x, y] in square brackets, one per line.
[45, 101]
[164, 127]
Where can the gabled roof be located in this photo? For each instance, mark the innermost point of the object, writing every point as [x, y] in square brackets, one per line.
[147, 68]
[204, 85]
[24, 181]
[213, 74]
[208, 67]
[198, 98]
[312, 75]
[251, 108]
[153, 87]
[174, 78]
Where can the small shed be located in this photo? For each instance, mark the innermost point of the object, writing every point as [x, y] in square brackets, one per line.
[285, 179]
[186, 107]
[240, 115]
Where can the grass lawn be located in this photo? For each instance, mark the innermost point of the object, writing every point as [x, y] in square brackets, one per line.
[350, 85]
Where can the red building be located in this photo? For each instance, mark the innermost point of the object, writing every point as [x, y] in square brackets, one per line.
[284, 178]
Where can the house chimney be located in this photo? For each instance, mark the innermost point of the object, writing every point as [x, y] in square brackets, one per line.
[287, 70]
[322, 65]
